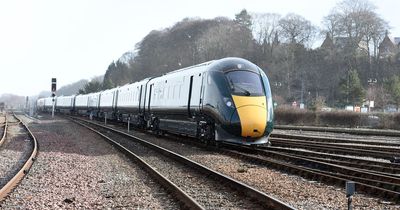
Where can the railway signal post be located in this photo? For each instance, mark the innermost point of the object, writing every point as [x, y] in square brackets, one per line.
[53, 94]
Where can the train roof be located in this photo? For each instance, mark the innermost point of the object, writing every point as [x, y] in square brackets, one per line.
[191, 67]
[234, 63]
[224, 64]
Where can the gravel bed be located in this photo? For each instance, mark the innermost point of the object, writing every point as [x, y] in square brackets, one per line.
[76, 169]
[14, 152]
[388, 139]
[208, 192]
[298, 192]
[11, 119]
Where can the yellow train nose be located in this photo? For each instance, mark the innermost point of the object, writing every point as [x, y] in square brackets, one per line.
[252, 113]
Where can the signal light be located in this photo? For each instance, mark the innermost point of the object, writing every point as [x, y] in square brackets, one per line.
[53, 85]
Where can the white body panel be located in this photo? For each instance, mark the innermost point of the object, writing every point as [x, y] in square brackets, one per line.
[40, 104]
[93, 101]
[65, 102]
[172, 90]
[129, 95]
[81, 101]
[108, 98]
[48, 102]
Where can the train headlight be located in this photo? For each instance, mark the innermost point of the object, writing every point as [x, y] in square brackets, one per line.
[228, 102]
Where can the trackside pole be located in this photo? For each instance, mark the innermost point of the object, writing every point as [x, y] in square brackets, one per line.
[105, 118]
[52, 110]
[350, 190]
[53, 94]
[129, 123]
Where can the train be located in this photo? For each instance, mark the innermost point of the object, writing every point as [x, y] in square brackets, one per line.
[225, 100]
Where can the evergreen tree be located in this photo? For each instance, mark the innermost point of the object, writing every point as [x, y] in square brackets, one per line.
[352, 89]
[91, 87]
[108, 84]
[244, 19]
[393, 87]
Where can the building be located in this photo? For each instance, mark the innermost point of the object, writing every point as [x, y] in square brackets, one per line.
[344, 44]
[387, 48]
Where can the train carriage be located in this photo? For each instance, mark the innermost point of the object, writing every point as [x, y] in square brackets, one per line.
[65, 104]
[131, 101]
[107, 103]
[48, 104]
[81, 105]
[173, 100]
[40, 104]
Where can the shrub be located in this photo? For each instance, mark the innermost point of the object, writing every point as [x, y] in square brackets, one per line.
[340, 118]
[293, 116]
[287, 115]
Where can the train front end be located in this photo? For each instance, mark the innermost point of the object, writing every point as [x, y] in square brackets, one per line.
[247, 103]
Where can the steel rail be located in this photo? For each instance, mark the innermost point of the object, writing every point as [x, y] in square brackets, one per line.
[361, 173]
[383, 167]
[334, 139]
[334, 148]
[375, 132]
[3, 138]
[388, 149]
[261, 197]
[368, 186]
[13, 182]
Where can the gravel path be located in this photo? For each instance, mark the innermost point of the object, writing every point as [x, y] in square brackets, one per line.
[76, 169]
[298, 192]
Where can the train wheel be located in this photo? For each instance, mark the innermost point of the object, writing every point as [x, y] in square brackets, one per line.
[156, 127]
[209, 134]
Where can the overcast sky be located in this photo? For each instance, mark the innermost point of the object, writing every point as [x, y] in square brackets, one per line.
[78, 39]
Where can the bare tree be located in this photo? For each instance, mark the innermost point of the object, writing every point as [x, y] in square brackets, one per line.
[358, 21]
[296, 30]
[264, 27]
[331, 25]
[225, 39]
[375, 29]
[265, 30]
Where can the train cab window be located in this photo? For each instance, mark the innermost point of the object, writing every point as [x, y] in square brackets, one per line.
[245, 83]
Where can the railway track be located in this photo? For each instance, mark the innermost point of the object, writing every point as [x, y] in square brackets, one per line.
[374, 132]
[346, 149]
[177, 173]
[320, 139]
[378, 166]
[3, 131]
[21, 167]
[368, 182]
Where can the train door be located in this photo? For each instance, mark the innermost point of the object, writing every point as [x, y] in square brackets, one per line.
[194, 93]
[203, 86]
[149, 98]
[140, 96]
[144, 98]
[190, 97]
[115, 99]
